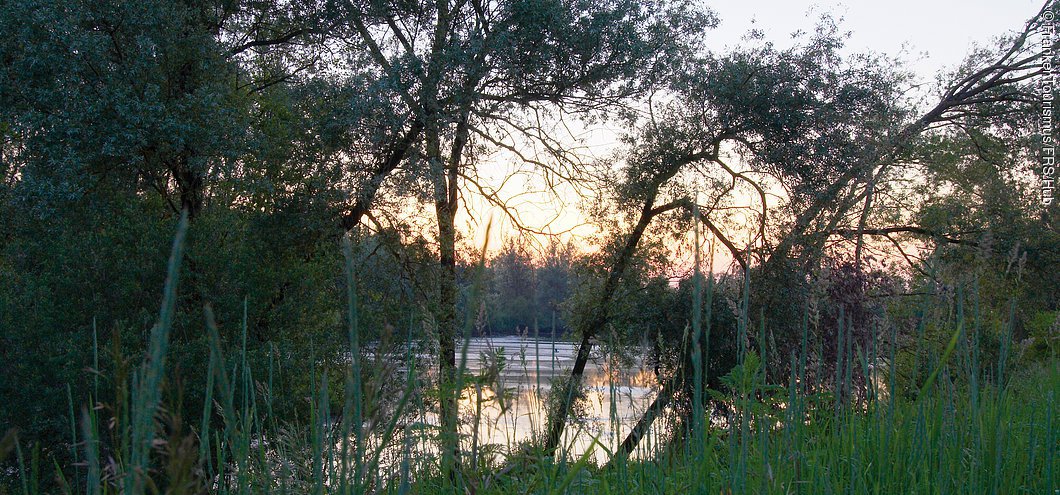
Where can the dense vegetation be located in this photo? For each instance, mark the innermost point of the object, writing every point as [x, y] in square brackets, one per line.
[233, 258]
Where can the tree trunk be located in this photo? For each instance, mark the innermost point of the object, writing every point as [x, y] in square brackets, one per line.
[446, 322]
[558, 418]
[190, 184]
[648, 418]
[445, 207]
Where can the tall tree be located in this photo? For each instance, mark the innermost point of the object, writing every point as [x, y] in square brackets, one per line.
[471, 75]
[820, 125]
[152, 95]
[116, 116]
[514, 287]
[790, 113]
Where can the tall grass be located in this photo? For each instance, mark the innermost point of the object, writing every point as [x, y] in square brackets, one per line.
[966, 430]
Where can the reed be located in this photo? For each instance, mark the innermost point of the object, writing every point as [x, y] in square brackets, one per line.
[971, 427]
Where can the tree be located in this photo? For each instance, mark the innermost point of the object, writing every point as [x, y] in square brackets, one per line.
[116, 117]
[514, 286]
[786, 112]
[153, 94]
[554, 282]
[821, 126]
[470, 76]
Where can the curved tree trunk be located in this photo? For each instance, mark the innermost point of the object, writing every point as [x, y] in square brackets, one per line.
[639, 430]
[588, 330]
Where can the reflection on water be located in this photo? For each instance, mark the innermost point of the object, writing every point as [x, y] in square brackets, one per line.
[504, 407]
[510, 410]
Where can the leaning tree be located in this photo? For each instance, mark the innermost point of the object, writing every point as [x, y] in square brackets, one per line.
[465, 78]
[821, 129]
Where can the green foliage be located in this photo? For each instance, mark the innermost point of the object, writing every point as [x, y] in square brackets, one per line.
[263, 131]
[955, 436]
[1043, 339]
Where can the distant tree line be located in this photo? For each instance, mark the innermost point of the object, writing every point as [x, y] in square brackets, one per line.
[528, 293]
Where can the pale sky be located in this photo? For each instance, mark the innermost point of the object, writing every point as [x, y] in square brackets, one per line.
[944, 29]
[928, 35]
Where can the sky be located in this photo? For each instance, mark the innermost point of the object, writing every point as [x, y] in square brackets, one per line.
[928, 35]
[941, 30]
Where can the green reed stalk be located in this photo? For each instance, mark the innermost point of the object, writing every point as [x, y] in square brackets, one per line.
[697, 332]
[148, 382]
[353, 405]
